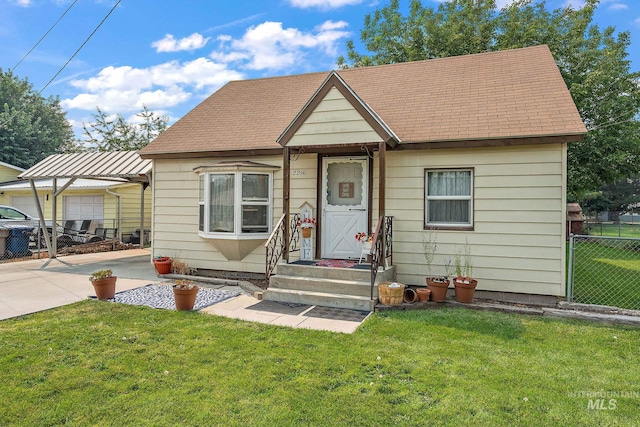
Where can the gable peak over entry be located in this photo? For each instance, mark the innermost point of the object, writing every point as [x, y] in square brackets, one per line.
[336, 115]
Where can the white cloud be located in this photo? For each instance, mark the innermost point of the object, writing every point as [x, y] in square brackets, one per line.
[170, 44]
[126, 89]
[618, 6]
[323, 4]
[23, 3]
[270, 46]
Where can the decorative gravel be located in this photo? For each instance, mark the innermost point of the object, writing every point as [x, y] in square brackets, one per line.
[161, 296]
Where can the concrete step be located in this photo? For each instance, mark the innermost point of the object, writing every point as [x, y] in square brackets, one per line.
[355, 274]
[315, 284]
[324, 299]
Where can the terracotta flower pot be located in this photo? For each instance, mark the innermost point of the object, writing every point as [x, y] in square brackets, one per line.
[423, 294]
[105, 288]
[438, 289]
[185, 298]
[162, 265]
[465, 291]
[306, 232]
[410, 296]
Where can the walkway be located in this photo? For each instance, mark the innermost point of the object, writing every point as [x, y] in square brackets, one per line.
[30, 286]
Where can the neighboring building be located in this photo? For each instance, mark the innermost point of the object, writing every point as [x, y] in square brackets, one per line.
[9, 172]
[112, 204]
[474, 147]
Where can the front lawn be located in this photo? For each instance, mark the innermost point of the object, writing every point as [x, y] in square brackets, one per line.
[97, 363]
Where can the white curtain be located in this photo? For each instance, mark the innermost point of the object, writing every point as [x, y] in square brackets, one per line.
[449, 196]
[221, 207]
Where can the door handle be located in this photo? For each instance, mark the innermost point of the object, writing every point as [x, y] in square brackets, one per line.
[362, 210]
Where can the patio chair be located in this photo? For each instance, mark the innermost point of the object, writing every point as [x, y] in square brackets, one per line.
[86, 233]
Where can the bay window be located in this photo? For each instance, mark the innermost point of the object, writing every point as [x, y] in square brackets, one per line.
[235, 204]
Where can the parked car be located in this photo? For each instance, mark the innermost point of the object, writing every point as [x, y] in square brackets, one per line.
[10, 217]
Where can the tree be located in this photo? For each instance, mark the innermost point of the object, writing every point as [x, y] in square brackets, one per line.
[621, 196]
[31, 127]
[107, 133]
[592, 61]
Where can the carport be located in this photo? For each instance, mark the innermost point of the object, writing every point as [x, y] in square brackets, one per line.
[117, 165]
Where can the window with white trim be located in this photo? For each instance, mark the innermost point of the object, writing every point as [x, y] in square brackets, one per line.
[449, 198]
[235, 204]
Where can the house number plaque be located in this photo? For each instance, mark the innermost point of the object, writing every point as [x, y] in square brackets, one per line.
[346, 190]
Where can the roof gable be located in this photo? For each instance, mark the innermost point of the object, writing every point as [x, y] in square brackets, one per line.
[335, 109]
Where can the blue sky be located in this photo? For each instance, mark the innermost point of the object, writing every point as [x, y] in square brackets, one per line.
[170, 55]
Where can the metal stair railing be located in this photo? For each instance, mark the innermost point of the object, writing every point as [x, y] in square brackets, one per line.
[276, 242]
[381, 247]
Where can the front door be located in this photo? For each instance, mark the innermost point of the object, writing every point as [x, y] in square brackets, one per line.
[344, 205]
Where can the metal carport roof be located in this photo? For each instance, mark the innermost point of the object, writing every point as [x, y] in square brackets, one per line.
[115, 164]
[104, 165]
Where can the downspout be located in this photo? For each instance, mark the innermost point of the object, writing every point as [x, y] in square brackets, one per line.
[119, 197]
[143, 186]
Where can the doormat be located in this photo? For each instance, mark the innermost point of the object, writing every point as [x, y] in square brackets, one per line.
[336, 263]
[161, 296]
[280, 307]
[337, 314]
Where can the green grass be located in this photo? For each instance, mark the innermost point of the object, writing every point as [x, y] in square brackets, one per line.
[96, 363]
[607, 275]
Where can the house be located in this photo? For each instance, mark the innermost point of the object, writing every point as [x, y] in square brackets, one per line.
[9, 172]
[472, 149]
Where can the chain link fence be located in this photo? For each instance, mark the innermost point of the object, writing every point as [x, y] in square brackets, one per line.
[25, 238]
[604, 271]
[594, 227]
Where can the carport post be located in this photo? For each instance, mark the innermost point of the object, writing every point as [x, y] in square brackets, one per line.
[43, 224]
[54, 214]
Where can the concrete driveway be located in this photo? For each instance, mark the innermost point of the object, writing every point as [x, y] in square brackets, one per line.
[36, 285]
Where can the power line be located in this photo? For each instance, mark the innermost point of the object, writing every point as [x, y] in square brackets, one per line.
[66, 63]
[81, 46]
[45, 35]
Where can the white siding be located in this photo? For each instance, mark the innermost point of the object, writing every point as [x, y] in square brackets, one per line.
[518, 241]
[175, 216]
[334, 121]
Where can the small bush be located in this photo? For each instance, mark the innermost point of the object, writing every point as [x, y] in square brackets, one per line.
[180, 267]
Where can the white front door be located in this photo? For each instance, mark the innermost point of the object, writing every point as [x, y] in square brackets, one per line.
[345, 182]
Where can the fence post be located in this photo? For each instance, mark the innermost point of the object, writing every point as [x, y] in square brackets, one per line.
[570, 275]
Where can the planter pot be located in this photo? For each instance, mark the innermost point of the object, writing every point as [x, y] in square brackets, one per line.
[306, 232]
[465, 291]
[162, 265]
[438, 289]
[105, 288]
[185, 298]
[388, 295]
[410, 296]
[423, 294]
